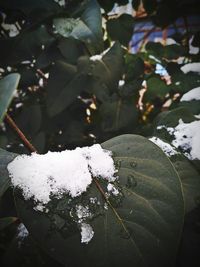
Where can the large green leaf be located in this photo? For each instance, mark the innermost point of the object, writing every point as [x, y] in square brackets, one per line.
[190, 179]
[8, 86]
[64, 86]
[87, 28]
[5, 158]
[117, 115]
[105, 73]
[145, 228]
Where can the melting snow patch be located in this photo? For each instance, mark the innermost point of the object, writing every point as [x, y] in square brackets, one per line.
[22, 233]
[55, 173]
[111, 188]
[187, 137]
[96, 57]
[86, 233]
[194, 67]
[166, 148]
[193, 94]
[197, 116]
[121, 83]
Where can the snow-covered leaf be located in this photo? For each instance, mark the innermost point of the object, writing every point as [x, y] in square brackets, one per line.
[149, 203]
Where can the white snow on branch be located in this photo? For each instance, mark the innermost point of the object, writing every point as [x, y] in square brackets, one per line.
[194, 67]
[166, 148]
[55, 173]
[193, 94]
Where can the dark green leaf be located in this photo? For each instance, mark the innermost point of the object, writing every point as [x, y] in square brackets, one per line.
[171, 118]
[104, 74]
[39, 141]
[121, 28]
[64, 86]
[174, 51]
[131, 90]
[185, 82]
[136, 4]
[36, 9]
[156, 88]
[25, 46]
[193, 106]
[190, 180]
[5, 158]
[71, 49]
[4, 222]
[134, 67]
[87, 28]
[114, 62]
[30, 119]
[196, 39]
[118, 115]
[150, 206]
[155, 49]
[8, 86]
[150, 6]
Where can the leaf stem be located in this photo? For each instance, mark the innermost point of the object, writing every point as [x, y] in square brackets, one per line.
[14, 126]
[110, 205]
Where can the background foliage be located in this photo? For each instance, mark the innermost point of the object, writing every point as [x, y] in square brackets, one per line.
[67, 97]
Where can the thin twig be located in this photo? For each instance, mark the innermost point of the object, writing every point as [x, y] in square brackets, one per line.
[13, 125]
[42, 75]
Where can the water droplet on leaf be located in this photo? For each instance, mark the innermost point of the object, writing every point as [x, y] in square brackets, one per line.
[133, 164]
[131, 181]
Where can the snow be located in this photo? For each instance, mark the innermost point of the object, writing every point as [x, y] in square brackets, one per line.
[193, 50]
[22, 233]
[194, 67]
[154, 58]
[193, 94]
[166, 148]
[121, 83]
[60, 2]
[42, 176]
[82, 213]
[99, 56]
[161, 70]
[87, 233]
[111, 188]
[197, 116]
[187, 137]
[96, 57]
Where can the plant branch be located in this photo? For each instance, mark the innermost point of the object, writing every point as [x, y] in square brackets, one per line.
[14, 126]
